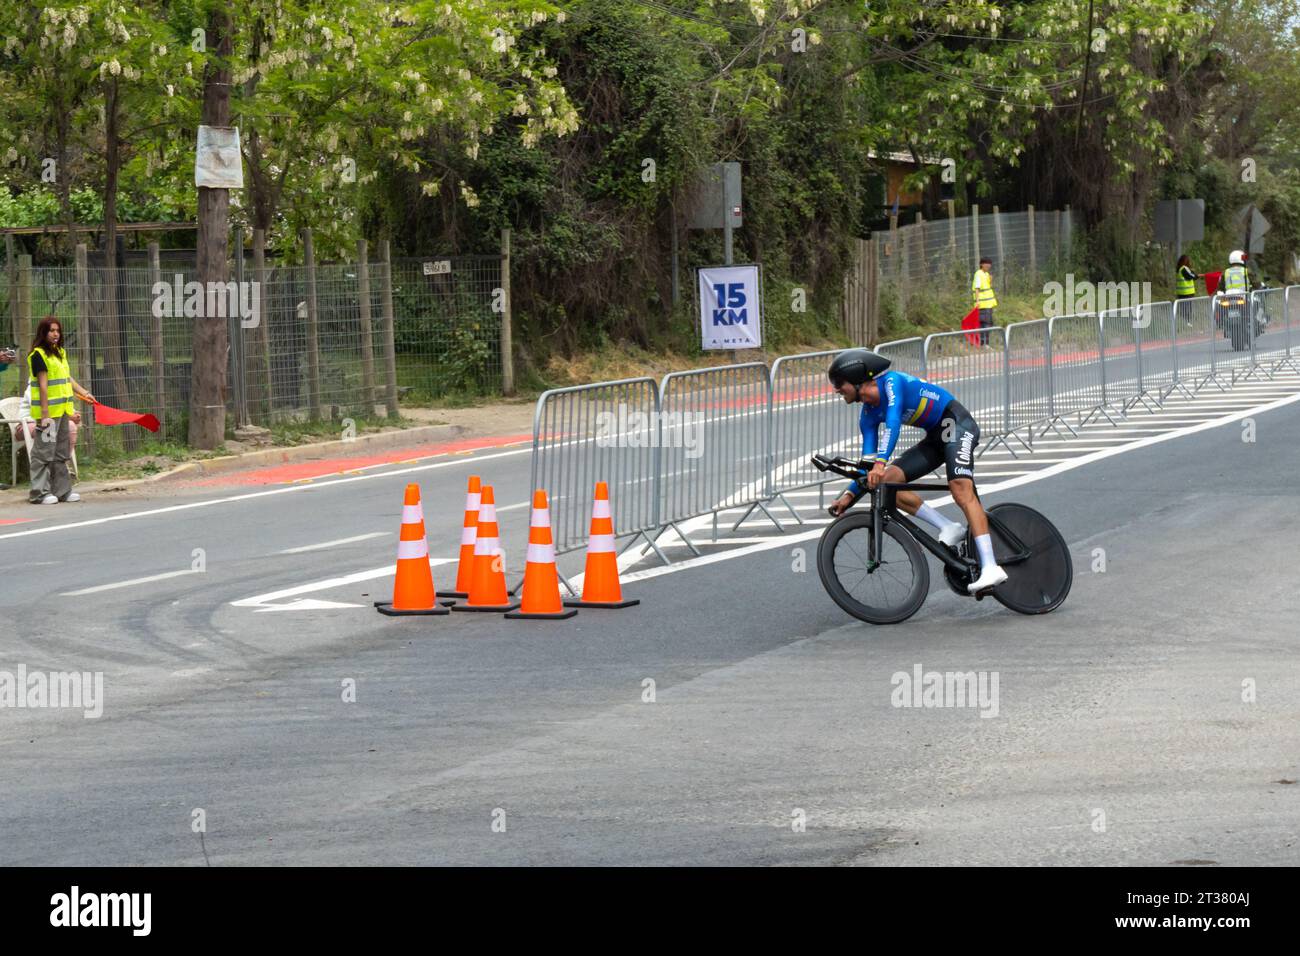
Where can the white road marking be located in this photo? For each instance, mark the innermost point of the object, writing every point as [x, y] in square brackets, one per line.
[330, 544]
[289, 489]
[262, 602]
[126, 584]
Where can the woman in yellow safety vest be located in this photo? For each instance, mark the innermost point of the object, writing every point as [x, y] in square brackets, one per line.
[1186, 286]
[981, 288]
[51, 389]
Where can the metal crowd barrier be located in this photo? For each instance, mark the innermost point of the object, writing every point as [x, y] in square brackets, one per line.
[607, 432]
[1029, 379]
[1078, 379]
[806, 418]
[1290, 317]
[740, 436]
[714, 438]
[1159, 340]
[1197, 360]
[907, 355]
[973, 366]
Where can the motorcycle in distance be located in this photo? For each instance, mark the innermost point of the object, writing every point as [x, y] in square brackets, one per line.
[1235, 312]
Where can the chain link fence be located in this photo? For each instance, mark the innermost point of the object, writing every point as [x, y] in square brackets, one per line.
[943, 254]
[305, 342]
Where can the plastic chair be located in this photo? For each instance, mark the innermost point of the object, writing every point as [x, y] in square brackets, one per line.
[9, 410]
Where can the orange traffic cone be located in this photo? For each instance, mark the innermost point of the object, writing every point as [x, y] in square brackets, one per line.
[468, 534]
[413, 591]
[541, 579]
[487, 589]
[600, 587]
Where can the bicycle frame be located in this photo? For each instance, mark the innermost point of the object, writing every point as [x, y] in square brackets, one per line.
[884, 506]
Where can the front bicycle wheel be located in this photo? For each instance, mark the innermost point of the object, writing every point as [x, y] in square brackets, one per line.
[1039, 583]
[886, 590]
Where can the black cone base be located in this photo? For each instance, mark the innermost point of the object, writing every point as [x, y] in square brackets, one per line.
[391, 611]
[443, 603]
[604, 604]
[491, 608]
[557, 616]
[453, 594]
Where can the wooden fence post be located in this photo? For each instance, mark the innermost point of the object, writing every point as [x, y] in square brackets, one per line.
[1033, 248]
[872, 290]
[367, 329]
[507, 328]
[85, 327]
[390, 348]
[1002, 267]
[157, 355]
[313, 329]
[264, 323]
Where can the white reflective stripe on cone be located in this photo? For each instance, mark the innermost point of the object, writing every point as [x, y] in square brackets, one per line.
[487, 546]
[486, 514]
[412, 549]
[471, 501]
[469, 535]
[540, 519]
[600, 508]
[412, 514]
[601, 542]
[541, 554]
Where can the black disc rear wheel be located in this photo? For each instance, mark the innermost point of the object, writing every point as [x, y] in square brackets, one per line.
[887, 590]
[1040, 582]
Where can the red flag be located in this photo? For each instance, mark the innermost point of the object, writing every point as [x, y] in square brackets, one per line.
[108, 415]
[972, 321]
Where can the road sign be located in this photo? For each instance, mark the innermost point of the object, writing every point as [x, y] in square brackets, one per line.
[1179, 221]
[731, 307]
[1251, 226]
[716, 190]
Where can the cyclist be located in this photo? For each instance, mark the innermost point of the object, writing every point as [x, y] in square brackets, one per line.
[895, 399]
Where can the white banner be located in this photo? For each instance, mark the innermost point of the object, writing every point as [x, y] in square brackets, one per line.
[217, 163]
[731, 307]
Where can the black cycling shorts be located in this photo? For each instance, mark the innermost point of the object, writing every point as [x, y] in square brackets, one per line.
[950, 443]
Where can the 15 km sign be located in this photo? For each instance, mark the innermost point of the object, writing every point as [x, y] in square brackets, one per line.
[731, 307]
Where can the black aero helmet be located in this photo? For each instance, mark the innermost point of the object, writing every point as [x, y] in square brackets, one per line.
[856, 366]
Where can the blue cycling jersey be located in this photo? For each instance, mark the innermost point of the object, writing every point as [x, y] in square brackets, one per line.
[904, 400]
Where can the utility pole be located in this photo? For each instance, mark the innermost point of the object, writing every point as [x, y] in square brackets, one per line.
[208, 375]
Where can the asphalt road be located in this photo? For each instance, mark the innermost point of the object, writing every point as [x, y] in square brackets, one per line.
[1120, 735]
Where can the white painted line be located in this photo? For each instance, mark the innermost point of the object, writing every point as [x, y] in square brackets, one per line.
[127, 584]
[263, 601]
[287, 490]
[330, 544]
[524, 504]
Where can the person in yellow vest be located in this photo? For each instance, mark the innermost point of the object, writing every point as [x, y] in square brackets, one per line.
[1185, 288]
[51, 389]
[1236, 278]
[981, 288]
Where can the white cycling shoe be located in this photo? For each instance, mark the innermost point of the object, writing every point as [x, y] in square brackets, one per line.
[952, 534]
[990, 577]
